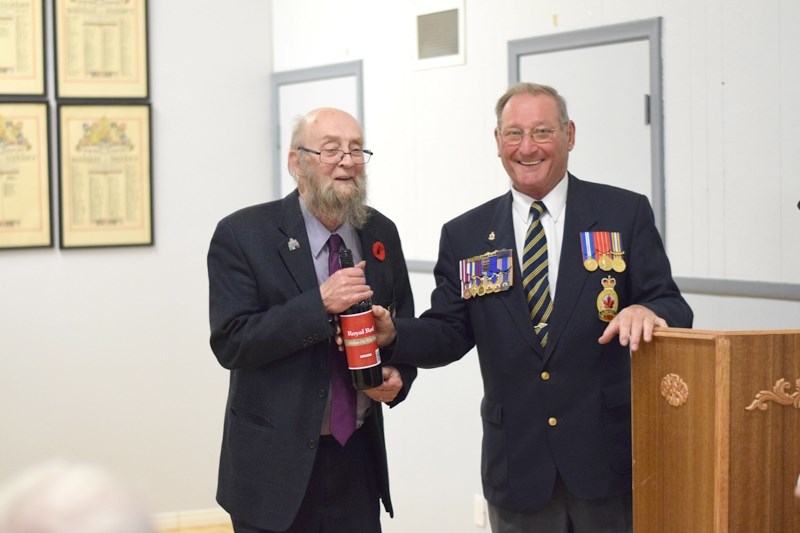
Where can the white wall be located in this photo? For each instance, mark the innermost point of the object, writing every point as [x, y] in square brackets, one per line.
[105, 353]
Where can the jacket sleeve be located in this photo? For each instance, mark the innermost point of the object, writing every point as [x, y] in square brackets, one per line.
[254, 308]
[443, 333]
[651, 282]
[403, 306]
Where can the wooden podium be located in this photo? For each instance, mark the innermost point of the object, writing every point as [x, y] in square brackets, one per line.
[716, 432]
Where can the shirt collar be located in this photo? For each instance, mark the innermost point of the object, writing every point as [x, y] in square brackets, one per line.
[555, 201]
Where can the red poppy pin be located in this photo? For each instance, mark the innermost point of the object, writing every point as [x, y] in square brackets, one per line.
[379, 251]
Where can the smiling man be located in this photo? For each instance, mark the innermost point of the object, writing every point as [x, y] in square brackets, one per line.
[541, 280]
[297, 457]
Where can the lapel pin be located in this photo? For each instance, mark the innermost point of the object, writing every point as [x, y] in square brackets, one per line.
[293, 244]
[491, 235]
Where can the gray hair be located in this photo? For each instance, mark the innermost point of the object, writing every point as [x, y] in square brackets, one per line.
[534, 89]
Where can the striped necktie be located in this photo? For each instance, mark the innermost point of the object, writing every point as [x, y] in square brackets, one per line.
[534, 274]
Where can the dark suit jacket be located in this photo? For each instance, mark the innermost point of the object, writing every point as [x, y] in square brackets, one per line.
[269, 327]
[584, 387]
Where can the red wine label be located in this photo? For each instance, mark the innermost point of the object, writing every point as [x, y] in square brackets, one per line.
[360, 340]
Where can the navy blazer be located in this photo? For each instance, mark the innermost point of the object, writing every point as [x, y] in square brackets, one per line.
[566, 407]
[269, 327]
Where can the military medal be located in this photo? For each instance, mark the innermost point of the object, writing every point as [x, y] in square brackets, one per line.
[607, 300]
[617, 263]
[478, 276]
[489, 264]
[587, 247]
[488, 287]
[505, 272]
[466, 278]
[602, 242]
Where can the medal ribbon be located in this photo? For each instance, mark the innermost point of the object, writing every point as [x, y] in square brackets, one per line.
[616, 243]
[587, 245]
[602, 242]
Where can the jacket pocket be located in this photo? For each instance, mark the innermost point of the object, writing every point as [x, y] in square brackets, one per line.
[251, 419]
[494, 463]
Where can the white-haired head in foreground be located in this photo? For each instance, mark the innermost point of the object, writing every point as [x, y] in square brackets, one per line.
[61, 497]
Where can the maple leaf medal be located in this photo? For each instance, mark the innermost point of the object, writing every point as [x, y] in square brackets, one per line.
[607, 300]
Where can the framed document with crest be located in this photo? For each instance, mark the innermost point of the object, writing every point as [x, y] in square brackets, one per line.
[22, 67]
[105, 175]
[25, 220]
[101, 49]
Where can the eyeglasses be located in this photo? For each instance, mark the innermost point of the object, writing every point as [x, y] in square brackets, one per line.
[539, 135]
[330, 156]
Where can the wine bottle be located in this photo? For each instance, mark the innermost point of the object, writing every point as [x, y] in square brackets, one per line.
[360, 338]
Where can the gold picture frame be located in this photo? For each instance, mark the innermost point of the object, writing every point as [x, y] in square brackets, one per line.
[25, 192]
[101, 49]
[105, 175]
[22, 66]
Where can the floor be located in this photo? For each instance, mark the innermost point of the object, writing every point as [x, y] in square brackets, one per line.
[204, 529]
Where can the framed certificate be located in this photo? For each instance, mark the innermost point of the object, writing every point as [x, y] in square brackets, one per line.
[25, 220]
[101, 49]
[22, 71]
[105, 179]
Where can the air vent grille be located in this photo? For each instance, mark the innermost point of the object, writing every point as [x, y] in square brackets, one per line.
[437, 34]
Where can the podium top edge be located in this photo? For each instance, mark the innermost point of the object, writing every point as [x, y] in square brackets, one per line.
[712, 334]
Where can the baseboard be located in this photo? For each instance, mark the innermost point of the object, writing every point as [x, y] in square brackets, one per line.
[214, 516]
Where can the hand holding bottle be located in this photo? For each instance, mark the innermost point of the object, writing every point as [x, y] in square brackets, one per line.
[389, 389]
[345, 288]
[384, 327]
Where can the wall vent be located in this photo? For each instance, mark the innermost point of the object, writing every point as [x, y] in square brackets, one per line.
[437, 34]
[439, 26]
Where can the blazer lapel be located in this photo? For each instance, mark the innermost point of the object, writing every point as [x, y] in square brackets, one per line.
[374, 273]
[580, 216]
[295, 249]
[502, 229]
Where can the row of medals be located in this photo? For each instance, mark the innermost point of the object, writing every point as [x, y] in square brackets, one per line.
[605, 263]
[485, 286]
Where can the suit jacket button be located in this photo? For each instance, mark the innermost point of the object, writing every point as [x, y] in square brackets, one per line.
[312, 443]
[323, 393]
[545, 376]
[552, 421]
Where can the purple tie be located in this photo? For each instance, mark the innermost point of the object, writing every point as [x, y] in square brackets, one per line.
[343, 395]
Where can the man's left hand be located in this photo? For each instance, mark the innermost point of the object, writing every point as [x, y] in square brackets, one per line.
[633, 324]
[387, 391]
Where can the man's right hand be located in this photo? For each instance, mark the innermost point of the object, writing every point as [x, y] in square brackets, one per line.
[384, 327]
[344, 288]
